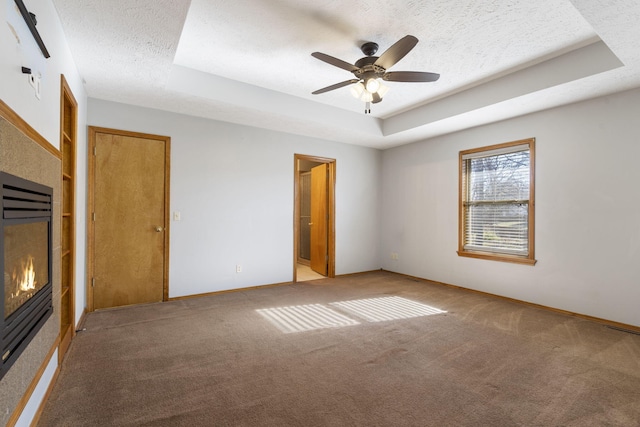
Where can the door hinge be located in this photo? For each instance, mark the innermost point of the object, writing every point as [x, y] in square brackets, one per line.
[94, 150]
[93, 282]
[93, 216]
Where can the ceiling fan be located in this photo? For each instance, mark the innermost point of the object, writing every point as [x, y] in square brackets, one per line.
[368, 70]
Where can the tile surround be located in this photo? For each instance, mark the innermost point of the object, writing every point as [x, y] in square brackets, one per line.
[22, 156]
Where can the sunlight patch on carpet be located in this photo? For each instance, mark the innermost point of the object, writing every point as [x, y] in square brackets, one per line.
[300, 318]
[386, 308]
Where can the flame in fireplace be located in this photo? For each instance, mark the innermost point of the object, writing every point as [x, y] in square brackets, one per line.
[25, 279]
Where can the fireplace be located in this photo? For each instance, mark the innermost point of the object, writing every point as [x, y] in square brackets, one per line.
[25, 259]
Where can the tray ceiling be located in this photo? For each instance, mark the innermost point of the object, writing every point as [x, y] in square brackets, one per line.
[249, 61]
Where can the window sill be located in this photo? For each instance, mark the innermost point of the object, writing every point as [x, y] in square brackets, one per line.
[498, 257]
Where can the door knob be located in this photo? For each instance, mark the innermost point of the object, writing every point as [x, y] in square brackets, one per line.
[310, 223]
[159, 229]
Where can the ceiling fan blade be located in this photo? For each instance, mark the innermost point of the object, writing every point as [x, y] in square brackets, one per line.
[410, 76]
[335, 61]
[376, 98]
[396, 52]
[335, 86]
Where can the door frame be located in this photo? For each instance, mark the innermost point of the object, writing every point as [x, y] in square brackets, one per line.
[91, 167]
[331, 243]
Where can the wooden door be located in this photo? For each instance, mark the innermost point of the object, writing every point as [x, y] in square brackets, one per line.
[130, 220]
[319, 235]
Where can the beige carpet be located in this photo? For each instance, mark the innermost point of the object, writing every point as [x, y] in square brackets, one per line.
[375, 349]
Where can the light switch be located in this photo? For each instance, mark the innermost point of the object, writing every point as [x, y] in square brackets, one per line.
[176, 215]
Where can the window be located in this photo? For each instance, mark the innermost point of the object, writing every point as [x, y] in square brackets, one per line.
[496, 210]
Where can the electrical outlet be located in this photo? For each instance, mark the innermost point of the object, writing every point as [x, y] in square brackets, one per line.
[238, 268]
[394, 256]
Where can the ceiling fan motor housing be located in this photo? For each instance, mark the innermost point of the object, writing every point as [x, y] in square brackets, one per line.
[369, 48]
[367, 68]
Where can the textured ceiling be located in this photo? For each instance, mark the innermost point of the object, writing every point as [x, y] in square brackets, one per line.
[248, 61]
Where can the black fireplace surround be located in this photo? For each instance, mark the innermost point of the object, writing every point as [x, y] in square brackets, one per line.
[25, 260]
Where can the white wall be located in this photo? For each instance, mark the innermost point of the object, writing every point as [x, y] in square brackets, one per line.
[233, 186]
[44, 116]
[587, 204]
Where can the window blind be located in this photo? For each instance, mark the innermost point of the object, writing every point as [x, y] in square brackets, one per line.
[496, 200]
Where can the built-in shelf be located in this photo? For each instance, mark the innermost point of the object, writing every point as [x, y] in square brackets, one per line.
[68, 132]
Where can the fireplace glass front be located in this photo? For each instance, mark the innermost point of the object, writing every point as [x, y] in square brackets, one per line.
[26, 263]
[25, 260]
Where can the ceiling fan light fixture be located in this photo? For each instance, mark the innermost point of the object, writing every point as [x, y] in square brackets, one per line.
[372, 85]
[382, 90]
[357, 89]
[366, 96]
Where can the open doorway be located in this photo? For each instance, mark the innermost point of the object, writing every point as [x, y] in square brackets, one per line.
[314, 223]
